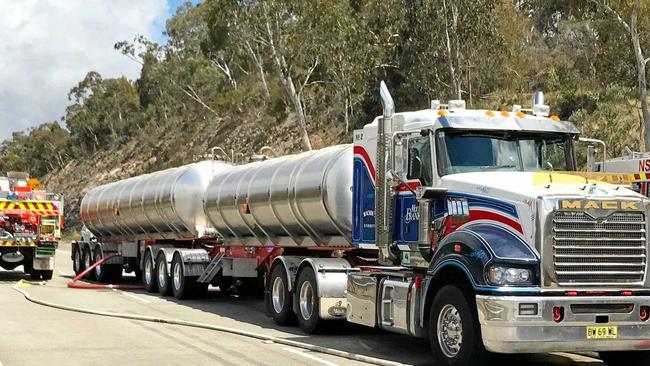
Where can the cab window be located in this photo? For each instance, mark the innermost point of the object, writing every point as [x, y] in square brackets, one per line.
[419, 160]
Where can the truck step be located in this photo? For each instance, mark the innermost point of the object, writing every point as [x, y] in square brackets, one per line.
[213, 268]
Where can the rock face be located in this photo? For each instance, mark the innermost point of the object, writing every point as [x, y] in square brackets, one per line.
[148, 153]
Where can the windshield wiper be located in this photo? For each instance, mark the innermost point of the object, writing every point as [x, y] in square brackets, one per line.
[496, 167]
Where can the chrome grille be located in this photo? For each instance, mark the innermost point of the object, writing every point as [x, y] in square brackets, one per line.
[590, 251]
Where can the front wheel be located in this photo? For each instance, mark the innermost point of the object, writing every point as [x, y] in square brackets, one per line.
[637, 358]
[306, 298]
[454, 331]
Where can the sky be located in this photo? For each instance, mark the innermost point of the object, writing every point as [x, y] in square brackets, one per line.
[48, 46]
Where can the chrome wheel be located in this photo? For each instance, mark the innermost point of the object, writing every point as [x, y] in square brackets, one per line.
[306, 300]
[176, 272]
[450, 331]
[87, 259]
[277, 294]
[98, 269]
[77, 261]
[148, 270]
[162, 275]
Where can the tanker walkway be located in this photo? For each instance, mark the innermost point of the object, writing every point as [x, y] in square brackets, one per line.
[31, 334]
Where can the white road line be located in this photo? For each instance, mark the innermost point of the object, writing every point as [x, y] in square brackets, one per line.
[311, 357]
[134, 296]
[577, 358]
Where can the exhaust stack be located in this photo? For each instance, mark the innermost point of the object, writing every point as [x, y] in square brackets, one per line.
[383, 198]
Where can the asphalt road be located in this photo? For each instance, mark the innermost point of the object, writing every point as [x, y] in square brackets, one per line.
[32, 334]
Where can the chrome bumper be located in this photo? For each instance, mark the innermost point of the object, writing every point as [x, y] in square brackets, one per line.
[505, 331]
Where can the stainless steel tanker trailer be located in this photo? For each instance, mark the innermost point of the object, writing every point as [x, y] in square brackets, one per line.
[469, 227]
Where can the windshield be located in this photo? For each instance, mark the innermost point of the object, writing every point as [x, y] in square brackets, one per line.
[475, 151]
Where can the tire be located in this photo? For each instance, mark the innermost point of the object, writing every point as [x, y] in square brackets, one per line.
[636, 358]
[101, 272]
[149, 274]
[182, 287]
[87, 262]
[306, 301]
[46, 275]
[162, 277]
[76, 260]
[452, 305]
[280, 297]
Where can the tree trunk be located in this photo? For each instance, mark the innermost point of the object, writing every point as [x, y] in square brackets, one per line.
[289, 87]
[452, 50]
[641, 74]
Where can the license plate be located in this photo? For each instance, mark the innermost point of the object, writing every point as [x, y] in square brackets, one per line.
[609, 332]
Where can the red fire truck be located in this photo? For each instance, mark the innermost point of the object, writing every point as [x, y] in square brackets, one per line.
[30, 225]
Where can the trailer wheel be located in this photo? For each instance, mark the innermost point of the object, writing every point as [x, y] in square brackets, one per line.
[183, 287]
[306, 299]
[87, 262]
[163, 279]
[454, 332]
[101, 271]
[640, 358]
[149, 274]
[76, 260]
[280, 297]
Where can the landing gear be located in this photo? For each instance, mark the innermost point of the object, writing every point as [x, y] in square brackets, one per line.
[454, 331]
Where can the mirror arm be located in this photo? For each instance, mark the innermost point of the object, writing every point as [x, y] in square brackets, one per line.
[399, 179]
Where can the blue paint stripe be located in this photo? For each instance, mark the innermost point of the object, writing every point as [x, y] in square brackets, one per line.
[491, 203]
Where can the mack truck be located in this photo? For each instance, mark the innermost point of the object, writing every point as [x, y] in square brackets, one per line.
[469, 227]
[31, 220]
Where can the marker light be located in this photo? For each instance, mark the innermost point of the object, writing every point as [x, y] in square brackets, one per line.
[489, 113]
[555, 118]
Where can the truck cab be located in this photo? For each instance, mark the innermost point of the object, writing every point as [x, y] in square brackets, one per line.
[502, 245]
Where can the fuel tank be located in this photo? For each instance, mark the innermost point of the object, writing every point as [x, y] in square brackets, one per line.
[295, 200]
[162, 205]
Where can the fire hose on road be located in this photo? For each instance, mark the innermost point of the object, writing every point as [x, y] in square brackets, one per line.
[286, 342]
[93, 286]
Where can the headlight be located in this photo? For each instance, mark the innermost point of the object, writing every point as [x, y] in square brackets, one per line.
[501, 275]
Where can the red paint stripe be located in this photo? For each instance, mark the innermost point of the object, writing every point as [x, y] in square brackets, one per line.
[413, 185]
[487, 215]
[358, 150]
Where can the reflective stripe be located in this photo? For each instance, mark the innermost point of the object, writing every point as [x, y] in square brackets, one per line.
[17, 243]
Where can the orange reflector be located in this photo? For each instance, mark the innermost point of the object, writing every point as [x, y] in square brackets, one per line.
[505, 113]
[490, 113]
[521, 114]
[555, 118]
[245, 208]
[442, 113]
